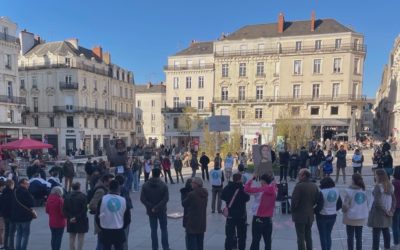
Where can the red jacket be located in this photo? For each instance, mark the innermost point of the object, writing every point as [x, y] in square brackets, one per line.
[166, 164]
[264, 200]
[54, 208]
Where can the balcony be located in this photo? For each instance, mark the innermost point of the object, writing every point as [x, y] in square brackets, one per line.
[69, 86]
[81, 110]
[291, 99]
[189, 67]
[360, 48]
[125, 115]
[7, 38]
[13, 99]
[181, 110]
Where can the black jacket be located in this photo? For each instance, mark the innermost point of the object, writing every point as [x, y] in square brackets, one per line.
[75, 206]
[155, 196]
[314, 160]
[341, 158]
[303, 158]
[21, 213]
[238, 208]
[294, 160]
[284, 158]
[184, 192]
[196, 204]
[89, 168]
[204, 160]
[320, 156]
[6, 199]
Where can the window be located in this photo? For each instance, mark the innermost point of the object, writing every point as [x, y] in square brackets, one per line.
[317, 66]
[105, 123]
[317, 44]
[68, 79]
[189, 64]
[9, 89]
[242, 93]
[176, 102]
[51, 122]
[85, 123]
[70, 121]
[153, 103]
[335, 90]
[259, 92]
[34, 82]
[10, 115]
[200, 102]
[334, 110]
[356, 44]
[139, 103]
[176, 122]
[22, 83]
[120, 91]
[297, 67]
[296, 91]
[225, 50]
[95, 84]
[139, 117]
[241, 114]
[315, 91]
[35, 104]
[188, 82]
[260, 69]
[68, 62]
[176, 64]
[298, 46]
[8, 62]
[139, 129]
[338, 43]
[277, 65]
[115, 124]
[224, 112]
[259, 113]
[96, 121]
[131, 93]
[84, 83]
[24, 120]
[242, 69]
[188, 101]
[202, 63]
[225, 70]
[36, 121]
[201, 82]
[295, 111]
[176, 83]
[337, 65]
[356, 66]
[261, 47]
[314, 110]
[224, 93]
[355, 89]
[153, 130]
[276, 91]
[126, 93]
[153, 117]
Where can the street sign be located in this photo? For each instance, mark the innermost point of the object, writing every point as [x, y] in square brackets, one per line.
[219, 123]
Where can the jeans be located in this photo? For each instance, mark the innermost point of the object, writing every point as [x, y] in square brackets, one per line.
[293, 172]
[261, 226]
[194, 172]
[304, 239]
[325, 225]
[7, 225]
[235, 227]
[396, 226]
[125, 245]
[135, 175]
[72, 239]
[228, 174]
[99, 245]
[129, 179]
[146, 176]
[195, 241]
[376, 234]
[179, 173]
[23, 230]
[343, 174]
[357, 170]
[204, 173]
[162, 219]
[216, 194]
[56, 238]
[283, 173]
[313, 170]
[168, 172]
[351, 230]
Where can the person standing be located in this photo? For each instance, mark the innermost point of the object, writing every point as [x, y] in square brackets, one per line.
[178, 168]
[136, 167]
[154, 197]
[328, 203]
[2, 187]
[396, 216]
[228, 166]
[69, 173]
[217, 160]
[124, 192]
[21, 215]
[284, 158]
[148, 166]
[355, 211]
[194, 164]
[6, 198]
[112, 217]
[243, 159]
[321, 161]
[196, 205]
[341, 163]
[328, 165]
[204, 161]
[54, 208]
[235, 198]
[217, 181]
[184, 192]
[263, 210]
[304, 197]
[304, 157]
[313, 165]
[294, 165]
[75, 209]
[166, 166]
[89, 171]
[357, 160]
[387, 162]
[382, 210]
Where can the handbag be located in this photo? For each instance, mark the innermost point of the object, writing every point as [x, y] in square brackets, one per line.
[32, 211]
[225, 211]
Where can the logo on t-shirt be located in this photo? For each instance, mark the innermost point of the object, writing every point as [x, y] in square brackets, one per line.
[360, 198]
[114, 205]
[332, 196]
[215, 175]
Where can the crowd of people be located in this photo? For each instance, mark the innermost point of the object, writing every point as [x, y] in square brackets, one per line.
[107, 198]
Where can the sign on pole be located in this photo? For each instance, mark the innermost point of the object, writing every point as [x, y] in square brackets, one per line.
[219, 123]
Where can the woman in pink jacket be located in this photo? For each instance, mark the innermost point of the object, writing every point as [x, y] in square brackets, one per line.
[54, 208]
[263, 210]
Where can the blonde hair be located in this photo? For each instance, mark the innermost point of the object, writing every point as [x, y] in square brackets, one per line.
[382, 178]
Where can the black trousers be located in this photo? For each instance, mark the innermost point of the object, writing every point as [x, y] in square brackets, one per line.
[304, 239]
[293, 172]
[283, 172]
[351, 232]
[235, 227]
[261, 226]
[204, 173]
[376, 234]
[168, 172]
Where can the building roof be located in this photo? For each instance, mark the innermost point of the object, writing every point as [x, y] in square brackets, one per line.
[61, 48]
[197, 48]
[296, 28]
[150, 88]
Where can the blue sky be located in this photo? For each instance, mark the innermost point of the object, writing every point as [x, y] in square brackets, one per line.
[141, 34]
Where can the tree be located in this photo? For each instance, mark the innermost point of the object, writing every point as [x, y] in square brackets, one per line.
[209, 142]
[188, 122]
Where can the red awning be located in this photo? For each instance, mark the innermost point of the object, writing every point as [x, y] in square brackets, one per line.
[25, 143]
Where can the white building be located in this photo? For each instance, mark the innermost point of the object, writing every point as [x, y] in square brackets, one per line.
[11, 104]
[76, 96]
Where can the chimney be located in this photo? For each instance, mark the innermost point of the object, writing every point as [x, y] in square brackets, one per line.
[98, 51]
[313, 21]
[27, 40]
[107, 57]
[74, 42]
[281, 23]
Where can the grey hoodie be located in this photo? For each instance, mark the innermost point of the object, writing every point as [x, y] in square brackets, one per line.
[155, 196]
